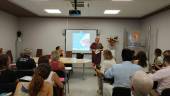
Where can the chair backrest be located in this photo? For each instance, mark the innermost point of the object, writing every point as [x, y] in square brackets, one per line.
[7, 87]
[68, 53]
[39, 53]
[121, 91]
[166, 92]
[1, 50]
[48, 56]
[79, 56]
[24, 72]
[9, 53]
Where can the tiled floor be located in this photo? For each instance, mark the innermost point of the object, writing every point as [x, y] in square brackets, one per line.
[80, 87]
[87, 87]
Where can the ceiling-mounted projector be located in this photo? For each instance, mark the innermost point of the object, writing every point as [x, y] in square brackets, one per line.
[74, 12]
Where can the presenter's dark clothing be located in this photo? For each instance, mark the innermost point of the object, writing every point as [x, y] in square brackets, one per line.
[25, 63]
[7, 81]
[96, 56]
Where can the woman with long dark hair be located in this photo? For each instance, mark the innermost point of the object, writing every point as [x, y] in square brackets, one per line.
[53, 78]
[38, 86]
[141, 60]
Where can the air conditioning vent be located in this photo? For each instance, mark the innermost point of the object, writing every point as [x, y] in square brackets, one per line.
[79, 4]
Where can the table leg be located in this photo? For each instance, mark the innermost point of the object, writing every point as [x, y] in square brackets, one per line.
[83, 70]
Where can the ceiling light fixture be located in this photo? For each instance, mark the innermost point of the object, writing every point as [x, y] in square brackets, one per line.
[111, 11]
[122, 0]
[53, 11]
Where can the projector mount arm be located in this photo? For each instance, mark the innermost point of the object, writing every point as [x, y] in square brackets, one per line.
[75, 4]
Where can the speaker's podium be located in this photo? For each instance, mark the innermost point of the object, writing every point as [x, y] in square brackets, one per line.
[79, 55]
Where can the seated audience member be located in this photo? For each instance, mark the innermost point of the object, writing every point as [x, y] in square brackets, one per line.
[122, 73]
[38, 86]
[9, 53]
[8, 78]
[166, 52]
[141, 60]
[56, 65]
[61, 52]
[158, 61]
[162, 76]
[141, 83]
[53, 77]
[25, 62]
[108, 61]
[106, 64]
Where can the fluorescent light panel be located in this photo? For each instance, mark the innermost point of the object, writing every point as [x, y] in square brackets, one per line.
[111, 11]
[122, 0]
[53, 11]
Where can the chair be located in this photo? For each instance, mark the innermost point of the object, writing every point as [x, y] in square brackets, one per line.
[79, 56]
[57, 91]
[68, 53]
[9, 53]
[166, 92]
[24, 72]
[121, 91]
[39, 53]
[63, 74]
[68, 66]
[155, 84]
[48, 56]
[1, 50]
[7, 87]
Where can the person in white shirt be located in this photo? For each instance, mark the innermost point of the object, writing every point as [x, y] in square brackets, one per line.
[158, 60]
[106, 64]
[162, 76]
[108, 61]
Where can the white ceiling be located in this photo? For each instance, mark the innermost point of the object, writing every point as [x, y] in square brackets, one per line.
[135, 8]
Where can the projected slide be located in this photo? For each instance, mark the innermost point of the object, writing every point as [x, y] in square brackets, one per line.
[81, 41]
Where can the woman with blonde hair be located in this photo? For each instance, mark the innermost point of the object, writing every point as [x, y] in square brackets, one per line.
[56, 65]
[106, 64]
[108, 61]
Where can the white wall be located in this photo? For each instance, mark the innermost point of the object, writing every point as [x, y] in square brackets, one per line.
[8, 29]
[47, 33]
[160, 31]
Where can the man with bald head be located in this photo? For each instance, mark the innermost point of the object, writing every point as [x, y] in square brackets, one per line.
[96, 48]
